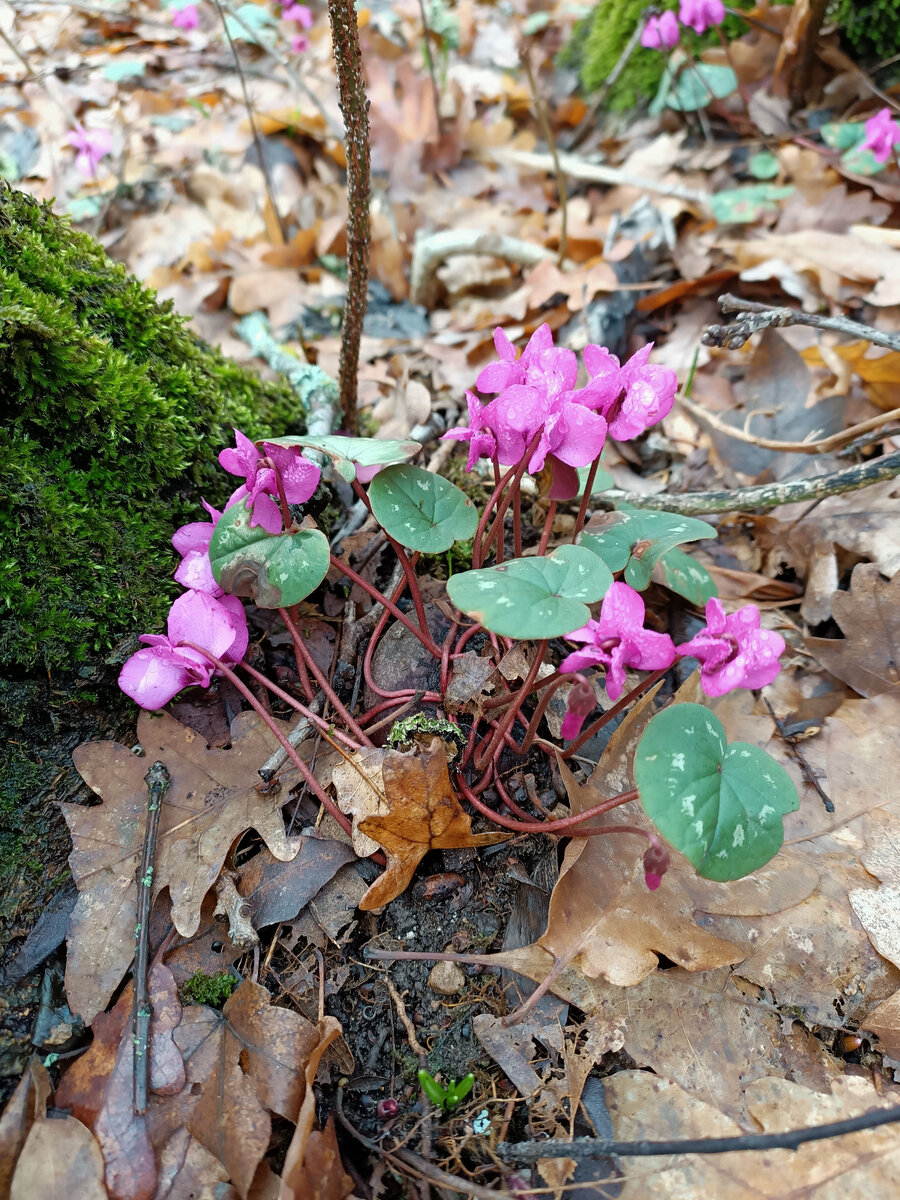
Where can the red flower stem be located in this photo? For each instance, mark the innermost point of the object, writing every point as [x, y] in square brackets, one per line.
[304, 654]
[311, 782]
[548, 527]
[445, 655]
[623, 702]
[324, 726]
[508, 800]
[411, 581]
[537, 715]
[466, 634]
[552, 827]
[586, 498]
[403, 701]
[497, 527]
[478, 551]
[424, 637]
[519, 696]
[302, 673]
[517, 523]
[506, 721]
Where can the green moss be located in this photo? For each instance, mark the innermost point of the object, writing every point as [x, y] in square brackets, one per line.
[871, 29]
[111, 415]
[599, 40]
[208, 989]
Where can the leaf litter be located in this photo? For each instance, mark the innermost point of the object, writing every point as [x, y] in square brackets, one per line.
[749, 1005]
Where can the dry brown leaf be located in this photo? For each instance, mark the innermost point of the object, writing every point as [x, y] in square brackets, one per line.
[469, 683]
[297, 1181]
[212, 799]
[884, 1022]
[546, 280]
[831, 257]
[860, 1166]
[868, 656]
[277, 890]
[879, 370]
[413, 810]
[879, 910]
[323, 1176]
[27, 1104]
[187, 1171]
[60, 1160]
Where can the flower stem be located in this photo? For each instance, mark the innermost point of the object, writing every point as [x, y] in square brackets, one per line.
[422, 634]
[548, 527]
[301, 649]
[586, 498]
[563, 826]
[508, 718]
[623, 702]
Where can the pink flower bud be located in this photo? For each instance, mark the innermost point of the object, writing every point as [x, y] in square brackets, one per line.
[656, 863]
[387, 1109]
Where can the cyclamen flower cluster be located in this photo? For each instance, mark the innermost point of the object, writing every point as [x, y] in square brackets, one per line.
[205, 615]
[187, 17]
[733, 650]
[882, 135]
[291, 11]
[92, 145]
[662, 32]
[539, 411]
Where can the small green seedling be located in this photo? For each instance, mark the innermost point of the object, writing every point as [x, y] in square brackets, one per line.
[446, 1097]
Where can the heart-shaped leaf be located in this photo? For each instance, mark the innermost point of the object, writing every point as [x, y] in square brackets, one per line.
[422, 510]
[533, 598]
[348, 453]
[699, 84]
[680, 573]
[274, 570]
[720, 805]
[634, 539]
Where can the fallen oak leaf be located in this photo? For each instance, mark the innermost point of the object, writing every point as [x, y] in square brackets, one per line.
[59, 1158]
[868, 656]
[423, 814]
[212, 799]
[311, 1154]
[27, 1104]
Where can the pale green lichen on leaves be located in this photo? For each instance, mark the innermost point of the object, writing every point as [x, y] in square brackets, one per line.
[349, 452]
[721, 805]
[421, 510]
[533, 598]
[682, 574]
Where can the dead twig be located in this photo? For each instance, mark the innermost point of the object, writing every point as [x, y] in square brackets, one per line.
[414, 1044]
[257, 138]
[432, 70]
[431, 250]
[546, 129]
[793, 748]
[355, 111]
[157, 785]
[295, 735]
[762, 495]
[753, 317]
[825, 445]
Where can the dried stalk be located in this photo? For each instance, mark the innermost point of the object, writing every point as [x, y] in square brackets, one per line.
[355, 111]
[753, 317]
[157, 784]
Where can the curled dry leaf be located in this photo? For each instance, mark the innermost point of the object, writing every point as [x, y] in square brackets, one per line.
[27, 1104]
[868, 656]
[312, 1166]
[405, 803]
[59, 1158]
[212, 799]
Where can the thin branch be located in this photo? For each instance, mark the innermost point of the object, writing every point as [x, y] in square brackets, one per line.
[763, 495]
[821, 446]
[578, 1148]
[431, 250]
[292, 75]
[355, 111]
[753, 317]
[257, 137]
[432, 70]
[157, 779]
[546, 129]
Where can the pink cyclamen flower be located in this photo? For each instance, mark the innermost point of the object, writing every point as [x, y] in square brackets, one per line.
[92, 145]
[299, 13]
[632, 397]
[580, 703]
[700, 15]
[192, 543]
[152, 676]
[187, 17]
[660, 32]
[299, 43]
[482, 443]
[299, 476]
[619, 640]
[733, 650]
[882, 134]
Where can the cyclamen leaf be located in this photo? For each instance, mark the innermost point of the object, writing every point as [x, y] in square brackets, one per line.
[533, 598]
[349, 452]
[741, 205]
[634, 540]
[720, 805]
[422, 510]
[699, 84]
[274, 570]
[680, 573]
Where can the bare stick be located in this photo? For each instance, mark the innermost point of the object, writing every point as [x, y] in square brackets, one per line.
[431, 250]
[157, 784]
[355, 111]
[764, 495]
[544, 122]
[753, 317]
[295, 736]
[257, 138]
[579, 1148]
[819, 446]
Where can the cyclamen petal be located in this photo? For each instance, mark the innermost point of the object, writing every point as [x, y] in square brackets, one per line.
[699, 15]
[151, 679]
[299, 476]
[195, 572]
[734, 651]
[242, 459]
[882, 134]
[187, 17]
[197, 617]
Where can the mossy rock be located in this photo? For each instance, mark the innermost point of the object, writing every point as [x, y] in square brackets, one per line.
[869, 28]
[111, 416]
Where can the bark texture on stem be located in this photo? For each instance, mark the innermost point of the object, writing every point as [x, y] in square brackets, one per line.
[355, 111]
